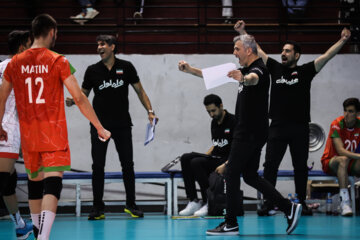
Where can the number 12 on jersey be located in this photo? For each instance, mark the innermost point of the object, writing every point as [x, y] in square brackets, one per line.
[38, 80]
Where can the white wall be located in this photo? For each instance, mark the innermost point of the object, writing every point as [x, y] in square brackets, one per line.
[184, 124]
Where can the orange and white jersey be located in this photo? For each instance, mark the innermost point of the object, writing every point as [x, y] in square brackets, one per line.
[10, 122]
[37, 75]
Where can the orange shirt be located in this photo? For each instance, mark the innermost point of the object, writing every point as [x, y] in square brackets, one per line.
[37, 76]
[350, 137]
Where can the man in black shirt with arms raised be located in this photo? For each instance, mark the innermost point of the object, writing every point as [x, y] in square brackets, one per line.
[249, 137]
[290, 111]
[110, 79]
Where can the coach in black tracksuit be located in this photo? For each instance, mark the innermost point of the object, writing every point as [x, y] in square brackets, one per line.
[110, 79]
[290, 111]
[249, 137]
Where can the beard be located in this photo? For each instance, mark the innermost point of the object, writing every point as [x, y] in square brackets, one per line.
[289, 63]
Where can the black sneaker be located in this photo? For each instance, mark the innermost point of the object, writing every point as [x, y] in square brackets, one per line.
[224, 229]
[267, 209]
[293, 218]
[35, 232]
[96, 214]
[134, 211]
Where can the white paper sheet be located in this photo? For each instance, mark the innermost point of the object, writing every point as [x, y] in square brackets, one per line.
[217, 75]
[150, 132]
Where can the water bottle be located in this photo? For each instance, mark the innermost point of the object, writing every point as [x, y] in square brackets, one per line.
[296, 199]
[328, 204]
[290, 197]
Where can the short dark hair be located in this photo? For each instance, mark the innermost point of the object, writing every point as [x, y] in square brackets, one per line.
[42, 24]
[109, 39]
[352, 102]
[296, 46]
[16, 39]
[212, 99]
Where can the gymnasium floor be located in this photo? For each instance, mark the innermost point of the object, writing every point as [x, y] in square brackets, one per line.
[158, 227]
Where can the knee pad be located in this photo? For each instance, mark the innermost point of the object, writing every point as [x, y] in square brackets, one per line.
[35, 189]
[11, 185]
[4, 179]
[53, 186]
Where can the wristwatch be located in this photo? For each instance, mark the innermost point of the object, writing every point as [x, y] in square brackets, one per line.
[151, 111]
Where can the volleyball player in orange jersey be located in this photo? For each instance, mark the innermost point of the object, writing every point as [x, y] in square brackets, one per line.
[37, 76]
[341, 156]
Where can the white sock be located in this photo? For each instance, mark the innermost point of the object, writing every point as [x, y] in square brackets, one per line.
[344, 194]
[17, 219]
[35, 217]
[46, 222]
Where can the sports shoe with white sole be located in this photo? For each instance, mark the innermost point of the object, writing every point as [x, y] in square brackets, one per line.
[91, 13]
[190, 208]
[23, 233]
[346, 210]
[293, 218]
[224, 229]
[79, 18]
[203, 211]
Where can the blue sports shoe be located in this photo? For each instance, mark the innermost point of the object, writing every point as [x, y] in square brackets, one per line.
[23, 233]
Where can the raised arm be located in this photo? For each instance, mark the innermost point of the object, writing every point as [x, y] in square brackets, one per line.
[85, 107]
[144, 99]
[240, 28]
[339, 146]
[185, 67]
[333, 50]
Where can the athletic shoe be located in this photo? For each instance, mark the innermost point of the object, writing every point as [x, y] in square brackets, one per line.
[79, 19]
[267, 209]
[190, 208]
[224, 229]
[293, 218]
[23, 233]
[203, 211]
[36, 232]
[96, 214]
[134, 211]
[137, 15]
[346, 210]
[90, 14]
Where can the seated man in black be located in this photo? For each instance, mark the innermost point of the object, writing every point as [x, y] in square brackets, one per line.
[197, 167]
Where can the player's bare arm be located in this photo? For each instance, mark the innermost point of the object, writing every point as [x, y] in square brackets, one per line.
[333, 50]
[70, 101]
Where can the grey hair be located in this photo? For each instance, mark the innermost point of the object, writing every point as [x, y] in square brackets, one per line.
[248, 41]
